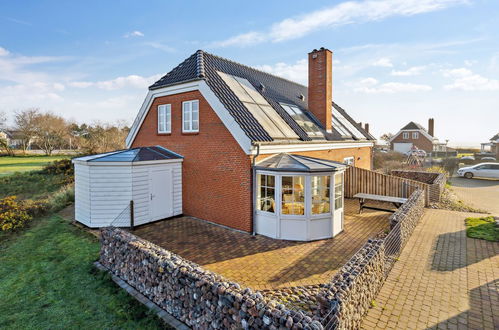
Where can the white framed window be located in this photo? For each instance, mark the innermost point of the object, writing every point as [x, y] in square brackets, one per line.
[190, 116]
[405, 135]
[349, 160]
[164, 118]
[265, 193]
[293, 195]
[415, 135]
[338, 191]
[321, 186]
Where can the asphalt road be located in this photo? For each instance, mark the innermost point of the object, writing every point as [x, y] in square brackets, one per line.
[479, 193]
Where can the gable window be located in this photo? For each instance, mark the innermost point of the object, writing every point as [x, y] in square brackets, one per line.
[349, 160]
[415, 135]
[405, 135]
[165, 118]
[266, 193]
[190, 116]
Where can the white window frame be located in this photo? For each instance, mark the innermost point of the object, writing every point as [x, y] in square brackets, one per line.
[405, 135]
[165, 118]
[415, 135]
[187, 107]
[349, 160]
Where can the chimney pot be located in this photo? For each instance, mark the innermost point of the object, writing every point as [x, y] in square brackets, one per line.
[320, 86]
[431, 127]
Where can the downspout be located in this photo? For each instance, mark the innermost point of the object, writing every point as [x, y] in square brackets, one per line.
[253, 189]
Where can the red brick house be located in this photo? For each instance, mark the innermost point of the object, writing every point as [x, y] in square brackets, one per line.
[413, 135]
[492, 146]
[260, 153]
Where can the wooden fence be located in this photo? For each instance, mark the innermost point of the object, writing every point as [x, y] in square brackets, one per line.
[359, 180]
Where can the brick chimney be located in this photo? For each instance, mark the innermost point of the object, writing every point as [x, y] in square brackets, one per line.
[366, 127]
[431, 127]
[320, 85]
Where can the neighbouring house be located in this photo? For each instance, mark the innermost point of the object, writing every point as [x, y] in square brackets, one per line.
[14, 138]
[414, 135]
[491, 147]
[259, 153]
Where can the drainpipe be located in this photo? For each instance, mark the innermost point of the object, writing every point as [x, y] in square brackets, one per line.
[253, 189]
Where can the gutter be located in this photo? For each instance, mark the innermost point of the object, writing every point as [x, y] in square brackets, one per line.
[253, 188]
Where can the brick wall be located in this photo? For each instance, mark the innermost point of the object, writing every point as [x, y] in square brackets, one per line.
[421, 142]
[362, 155]
[216, 173]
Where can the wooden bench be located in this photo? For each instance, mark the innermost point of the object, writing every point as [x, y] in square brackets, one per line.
[397, 201]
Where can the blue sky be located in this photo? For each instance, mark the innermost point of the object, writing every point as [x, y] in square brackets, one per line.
[394, 61]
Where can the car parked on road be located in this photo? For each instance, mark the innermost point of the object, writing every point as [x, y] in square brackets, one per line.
[490, 159]
[482, 170]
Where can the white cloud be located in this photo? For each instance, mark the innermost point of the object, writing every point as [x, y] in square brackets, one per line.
[296, 72]
[414, 71]
[466, 80]
[4, 52]
[133, 34]
[160, 46]
[372, 86]
[348, 12]
[131, 81]
[383, 62]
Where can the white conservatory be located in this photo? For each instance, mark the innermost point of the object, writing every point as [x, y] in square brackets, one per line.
[299, 198]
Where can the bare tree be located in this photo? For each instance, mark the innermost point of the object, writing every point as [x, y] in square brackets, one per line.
[3, 120]
[102, 137]
[25, 125]
[51, 132]
[386, 137]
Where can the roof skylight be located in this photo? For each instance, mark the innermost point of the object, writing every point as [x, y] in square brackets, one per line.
[301, 119]
[344, 126]
[261, 110]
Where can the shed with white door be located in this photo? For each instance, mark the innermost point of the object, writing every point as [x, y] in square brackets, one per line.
[106, 184]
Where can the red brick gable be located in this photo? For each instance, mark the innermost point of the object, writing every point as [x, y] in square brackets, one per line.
[216, 175]
[422, 142]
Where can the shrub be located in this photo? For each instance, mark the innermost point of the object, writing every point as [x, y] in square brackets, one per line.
[482, 228]
[61, 167]
[13, 215]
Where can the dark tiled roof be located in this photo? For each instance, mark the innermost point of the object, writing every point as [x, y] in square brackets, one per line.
[413, 125]
[495, 137]
[202, 65]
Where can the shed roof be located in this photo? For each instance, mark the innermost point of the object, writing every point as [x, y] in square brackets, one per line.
[139, 154]
[285, 162]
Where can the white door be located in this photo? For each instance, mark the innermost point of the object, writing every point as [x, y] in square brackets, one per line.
[402, 147]
[338, 201]
[161, 193]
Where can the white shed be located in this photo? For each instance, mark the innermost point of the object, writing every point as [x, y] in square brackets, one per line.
[128, 187]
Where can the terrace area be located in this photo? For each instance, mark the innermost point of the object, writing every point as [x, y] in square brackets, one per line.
[263, 263]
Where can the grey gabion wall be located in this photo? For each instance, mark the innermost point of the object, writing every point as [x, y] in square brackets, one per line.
[199, 298]
[344, 301]
[436, 181]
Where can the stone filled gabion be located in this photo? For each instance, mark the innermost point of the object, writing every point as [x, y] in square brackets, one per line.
[199, 298]
[435, 181]
[347, 297]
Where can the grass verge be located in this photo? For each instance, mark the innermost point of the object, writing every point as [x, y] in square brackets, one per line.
[32, 185]
[48, 281]
[13, 164]
[482, 228]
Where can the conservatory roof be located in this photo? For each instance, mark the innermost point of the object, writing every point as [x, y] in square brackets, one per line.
[295, 163]
[139, 154]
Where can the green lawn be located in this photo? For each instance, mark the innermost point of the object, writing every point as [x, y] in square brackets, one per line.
[10, 165]
[47, 281]
[482, 228]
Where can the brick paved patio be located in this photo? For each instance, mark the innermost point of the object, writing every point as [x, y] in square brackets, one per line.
[264, 263]
[443, 280]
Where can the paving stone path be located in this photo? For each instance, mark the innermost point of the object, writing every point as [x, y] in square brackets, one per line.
[443, 280]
